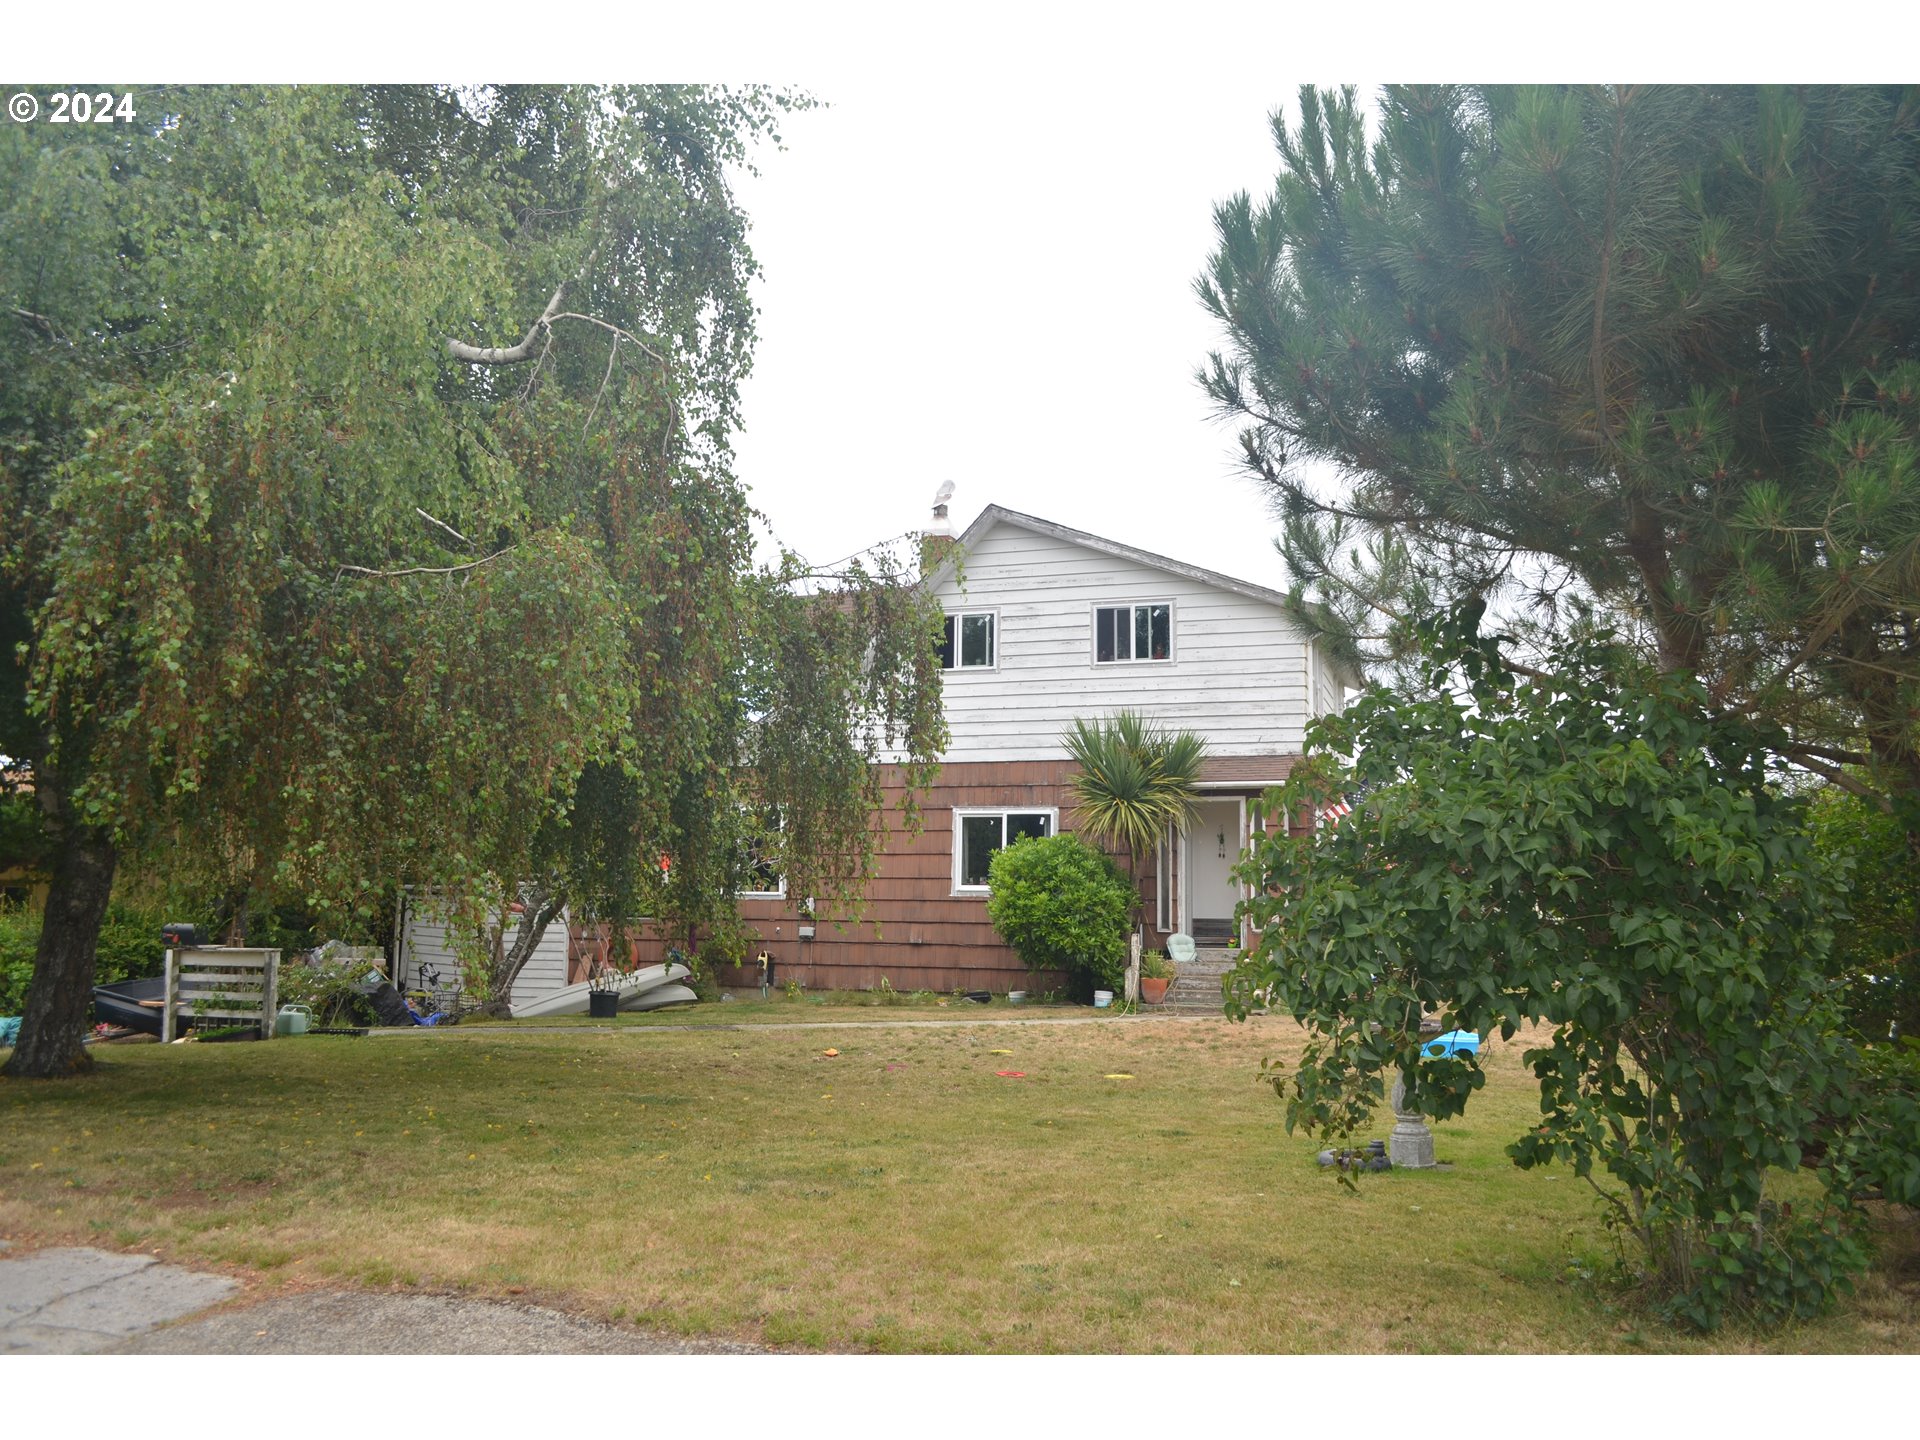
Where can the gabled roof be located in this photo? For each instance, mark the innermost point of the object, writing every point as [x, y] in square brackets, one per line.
[999, 515]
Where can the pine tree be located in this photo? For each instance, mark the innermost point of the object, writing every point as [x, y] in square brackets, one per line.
[1645, 355]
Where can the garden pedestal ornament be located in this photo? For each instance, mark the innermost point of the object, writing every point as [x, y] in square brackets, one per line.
[1410, 1146]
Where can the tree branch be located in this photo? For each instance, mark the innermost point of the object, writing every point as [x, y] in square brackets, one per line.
[516, 354]
[1839, 757]
[613, 354]
[39, 322]
[443, 525]
[626, 335]
[1837, 777]
[420, 569]
[510, 354]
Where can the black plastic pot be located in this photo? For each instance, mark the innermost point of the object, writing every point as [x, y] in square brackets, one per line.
[603, 1004]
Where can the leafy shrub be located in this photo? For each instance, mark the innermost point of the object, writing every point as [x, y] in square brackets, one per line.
[129, 948]
[22, 835]
[1607, 857]
[1873, 945]
[19, 934]
[129, 944]
[329, 990]
[704, 981]
[1872, 1136]
[1062, 905]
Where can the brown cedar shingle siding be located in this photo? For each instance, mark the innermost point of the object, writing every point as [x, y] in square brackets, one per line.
[915, 932]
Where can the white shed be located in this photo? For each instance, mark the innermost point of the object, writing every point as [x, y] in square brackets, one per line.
[423, 944]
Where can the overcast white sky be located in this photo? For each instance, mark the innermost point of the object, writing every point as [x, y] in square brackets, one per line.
[993, 284]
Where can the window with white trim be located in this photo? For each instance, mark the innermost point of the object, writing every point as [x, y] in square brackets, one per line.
[968, 643]
[977, 834]
[762, 879]
[1132, 632]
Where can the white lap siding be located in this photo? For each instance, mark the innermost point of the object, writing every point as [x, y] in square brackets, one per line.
[1241, 675]
[423, 941]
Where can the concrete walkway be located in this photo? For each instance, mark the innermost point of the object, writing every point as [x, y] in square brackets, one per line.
[70, 1302]
[82, 1301]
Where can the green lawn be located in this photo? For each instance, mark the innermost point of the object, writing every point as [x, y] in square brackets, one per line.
[900, 1196]
[812, 1009]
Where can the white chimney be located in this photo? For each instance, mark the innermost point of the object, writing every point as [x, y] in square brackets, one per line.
[937, 538]
[941, 525]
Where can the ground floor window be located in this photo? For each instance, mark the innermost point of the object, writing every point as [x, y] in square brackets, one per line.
[978, 833]
[753, 860]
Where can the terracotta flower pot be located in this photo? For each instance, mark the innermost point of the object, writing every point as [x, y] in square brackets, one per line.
[1153, 991]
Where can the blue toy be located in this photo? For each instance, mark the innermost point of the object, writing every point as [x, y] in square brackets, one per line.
[1454, 1042]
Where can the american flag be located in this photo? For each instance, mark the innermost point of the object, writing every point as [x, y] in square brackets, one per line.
[1336, 810]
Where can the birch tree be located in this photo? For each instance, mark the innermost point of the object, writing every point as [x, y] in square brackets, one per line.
[370, 514]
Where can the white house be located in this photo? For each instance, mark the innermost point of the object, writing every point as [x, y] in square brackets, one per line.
[1046, 624]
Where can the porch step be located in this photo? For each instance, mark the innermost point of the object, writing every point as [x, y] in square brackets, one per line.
[1196, 985]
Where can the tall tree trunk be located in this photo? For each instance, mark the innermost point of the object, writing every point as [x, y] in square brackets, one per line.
[541, 905]
[1676, 633]
[53, 1029]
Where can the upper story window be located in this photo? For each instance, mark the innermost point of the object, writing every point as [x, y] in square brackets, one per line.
[968, 643]
[1132, 632]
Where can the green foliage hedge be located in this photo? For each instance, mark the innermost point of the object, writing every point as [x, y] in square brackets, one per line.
[1874, 943]
[130, 945]
[129, 948]
[1062, 905]
[22, 839]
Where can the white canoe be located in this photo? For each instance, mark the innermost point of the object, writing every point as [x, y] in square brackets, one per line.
[638, 997]
[572, 999]
[661, 997]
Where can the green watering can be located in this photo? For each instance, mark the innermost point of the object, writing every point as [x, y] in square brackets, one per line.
[293, 1020]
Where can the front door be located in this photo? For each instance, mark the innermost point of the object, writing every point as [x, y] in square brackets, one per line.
[1213, 849]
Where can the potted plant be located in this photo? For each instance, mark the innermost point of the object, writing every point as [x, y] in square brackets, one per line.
[1156, 974]
[603, 991]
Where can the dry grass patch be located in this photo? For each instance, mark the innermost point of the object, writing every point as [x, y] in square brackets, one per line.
[900, 1196]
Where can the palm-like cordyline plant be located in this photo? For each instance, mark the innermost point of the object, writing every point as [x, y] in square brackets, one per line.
[1135, 780]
